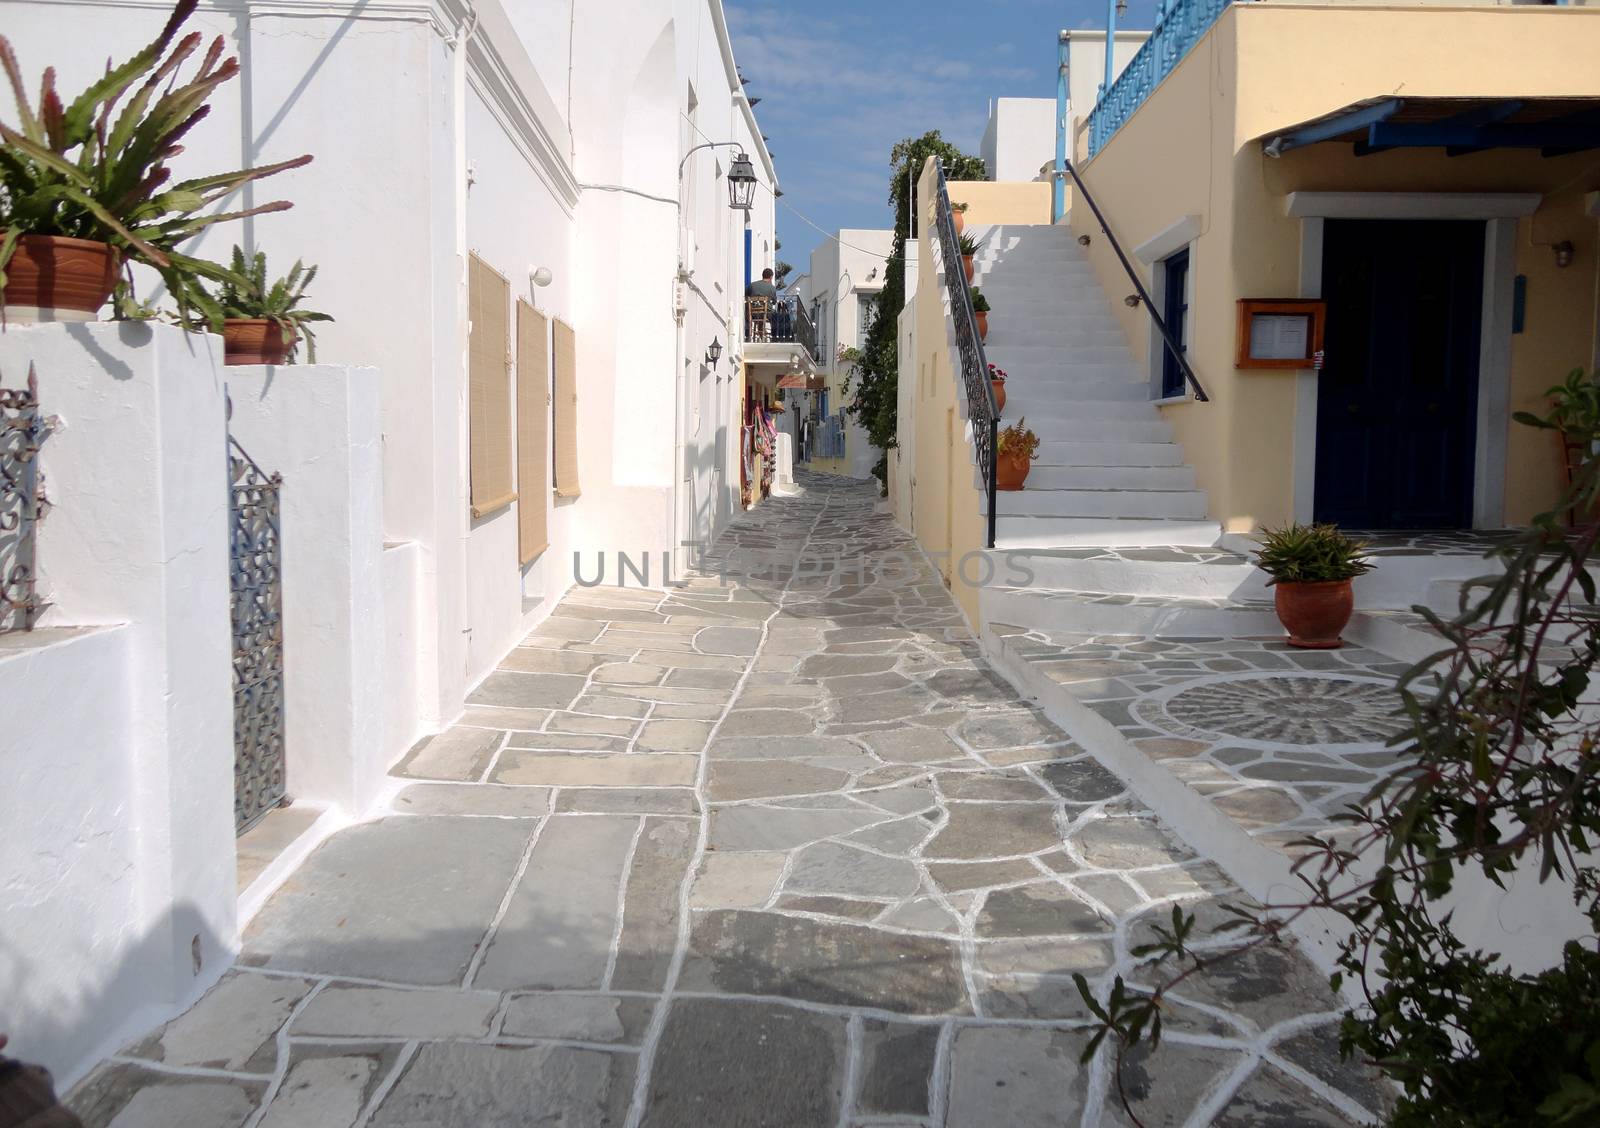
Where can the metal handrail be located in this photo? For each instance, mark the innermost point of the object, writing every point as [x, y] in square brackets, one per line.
[1174, 346]
[982, 414]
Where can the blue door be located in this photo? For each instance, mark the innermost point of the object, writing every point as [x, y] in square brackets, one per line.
[1397, 398]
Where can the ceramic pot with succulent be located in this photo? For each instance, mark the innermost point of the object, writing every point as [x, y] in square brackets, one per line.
[262, 322]
[980, 310]
[1014, 455]
[85, 185]
[997, 381]
[958, 213]
[1312, 567]
[968, 247]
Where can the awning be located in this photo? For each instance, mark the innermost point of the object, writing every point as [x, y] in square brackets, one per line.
[803, 383]
[1554, 126]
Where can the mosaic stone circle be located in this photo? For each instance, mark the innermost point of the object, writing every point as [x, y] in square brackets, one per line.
[1285, 710]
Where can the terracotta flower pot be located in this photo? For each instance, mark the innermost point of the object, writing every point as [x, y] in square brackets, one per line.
[60, 275]
[999, 387]
[960, 220]
[983, 324]
[1010, 472]
[256, 340]
[1314, 614]
[966, 265]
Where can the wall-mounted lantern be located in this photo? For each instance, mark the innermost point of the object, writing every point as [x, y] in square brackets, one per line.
[714, 352]
[741, 183]
[1564, 252]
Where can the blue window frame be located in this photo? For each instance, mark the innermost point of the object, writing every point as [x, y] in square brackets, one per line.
[1175, 311]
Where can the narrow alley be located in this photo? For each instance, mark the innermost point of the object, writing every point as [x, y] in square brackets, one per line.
[773, 848]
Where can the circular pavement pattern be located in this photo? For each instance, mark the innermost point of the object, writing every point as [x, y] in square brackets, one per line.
[1283, 710]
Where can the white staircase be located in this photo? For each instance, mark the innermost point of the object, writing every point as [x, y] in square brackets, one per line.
[1108, 471]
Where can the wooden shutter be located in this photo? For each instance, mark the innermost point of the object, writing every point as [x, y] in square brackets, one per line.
[533, 431]
[489, 388]
[566, 409]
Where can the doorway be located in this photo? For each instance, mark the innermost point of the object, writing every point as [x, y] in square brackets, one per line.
[1397, 397]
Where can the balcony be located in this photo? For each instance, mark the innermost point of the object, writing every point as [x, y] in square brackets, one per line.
[1179, 26]
[774, 328]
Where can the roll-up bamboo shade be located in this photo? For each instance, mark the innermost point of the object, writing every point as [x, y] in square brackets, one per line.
[489, 389]
[566, 409]
[533, 431]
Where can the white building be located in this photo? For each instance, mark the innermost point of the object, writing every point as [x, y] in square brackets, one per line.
[1019, 139]
[522, 218]
[841, 289]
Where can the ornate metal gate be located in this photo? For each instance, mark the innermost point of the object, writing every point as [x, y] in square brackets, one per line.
[256, 573]
[22, 502]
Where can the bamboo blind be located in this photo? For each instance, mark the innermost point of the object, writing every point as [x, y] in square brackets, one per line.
[533, 431]
[489, 389]
[566, 410]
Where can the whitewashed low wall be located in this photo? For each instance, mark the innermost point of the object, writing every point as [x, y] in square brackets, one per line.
[402, 717]
[319, 427]
[119, 803]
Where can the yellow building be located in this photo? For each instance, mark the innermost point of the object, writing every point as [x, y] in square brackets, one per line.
[1412, 190]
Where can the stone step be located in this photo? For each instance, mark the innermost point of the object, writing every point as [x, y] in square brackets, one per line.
[1065, 532]
[1047, 413]
[1031, 389]
[1046, 503]
[1095, 612]
[1090, 452]
[1106, 431]
[1197, 571]
[1110, 478]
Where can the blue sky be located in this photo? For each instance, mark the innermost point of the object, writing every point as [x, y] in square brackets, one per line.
[842, 80]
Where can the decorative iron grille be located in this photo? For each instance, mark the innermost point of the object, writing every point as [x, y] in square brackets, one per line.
[982, 415]
[256, 574]
[23, 431]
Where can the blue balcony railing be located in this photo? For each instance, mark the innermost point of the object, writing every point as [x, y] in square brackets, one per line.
[1179, 25]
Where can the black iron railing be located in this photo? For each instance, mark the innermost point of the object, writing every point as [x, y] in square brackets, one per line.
[982, 415]
[1174, 346]
[783, 320]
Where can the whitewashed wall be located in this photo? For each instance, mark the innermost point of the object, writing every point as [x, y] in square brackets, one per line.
[1019, 137]
[118, 811]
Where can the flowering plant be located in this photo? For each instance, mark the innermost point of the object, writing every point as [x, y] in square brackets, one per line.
[997, 373]
[1017, 441]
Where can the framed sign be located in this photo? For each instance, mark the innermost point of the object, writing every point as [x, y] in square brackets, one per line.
[1280, 333]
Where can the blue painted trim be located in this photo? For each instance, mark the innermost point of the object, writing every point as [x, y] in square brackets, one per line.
[749, 266]
[1365, 117]
[1058, 206]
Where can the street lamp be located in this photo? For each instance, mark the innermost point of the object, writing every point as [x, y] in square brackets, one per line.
[741, 174]
[714, 352]
[741, 182]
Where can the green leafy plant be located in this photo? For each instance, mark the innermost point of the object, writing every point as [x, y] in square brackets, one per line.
[1016, 441]
[875, 403]
[967, 244]
[248, 293]
[1310, 554]
[1498, 773]
[1574, 409]
[87, 170]
[980, 304]
[955, 207]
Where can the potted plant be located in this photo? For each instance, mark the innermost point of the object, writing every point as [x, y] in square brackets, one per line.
[958, 213]
[997, 381]
[85, 185]
[1014, 455]
[968, 247]
[980, 310]
[261, 322]
[1311, 568]
[1575, 417]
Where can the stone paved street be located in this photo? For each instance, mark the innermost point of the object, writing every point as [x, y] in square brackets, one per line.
[777, 851]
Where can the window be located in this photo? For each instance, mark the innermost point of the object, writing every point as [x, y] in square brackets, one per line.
[1175, 312]
[489, 389]
[533, 431]
[866, 312]
[565, 409]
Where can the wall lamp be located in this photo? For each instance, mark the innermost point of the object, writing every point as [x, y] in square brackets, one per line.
[713, 352]
[1083, 240]
[741, 174]
[1131, 301]
[540, 275]
[1564, 253]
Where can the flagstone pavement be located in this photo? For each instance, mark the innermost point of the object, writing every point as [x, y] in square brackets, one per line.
[772, 848]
